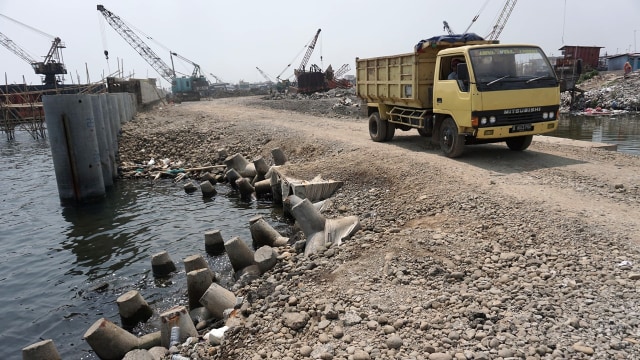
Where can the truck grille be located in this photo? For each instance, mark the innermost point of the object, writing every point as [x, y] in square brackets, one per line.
[519, 118]
[515, 116]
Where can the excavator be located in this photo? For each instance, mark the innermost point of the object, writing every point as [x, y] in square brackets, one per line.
[50, 67]
[190, 88]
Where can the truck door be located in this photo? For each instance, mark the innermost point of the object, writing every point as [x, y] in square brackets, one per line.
[451, 91]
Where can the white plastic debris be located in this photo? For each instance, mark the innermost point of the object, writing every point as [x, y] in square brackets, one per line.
[216, 335]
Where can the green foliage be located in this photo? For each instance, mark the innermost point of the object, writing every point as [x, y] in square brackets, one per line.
[586, 76]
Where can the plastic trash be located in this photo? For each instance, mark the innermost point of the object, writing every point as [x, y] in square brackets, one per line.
[175, 336]
[216, 336]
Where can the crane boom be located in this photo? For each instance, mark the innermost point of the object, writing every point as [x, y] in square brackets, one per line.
[447, 28]
[134, 40]
[307, 55]
[341, 71]
[50, 67]
[14, 48]
[218, 80]
[264, 75]
[196, 68]
[502, 20]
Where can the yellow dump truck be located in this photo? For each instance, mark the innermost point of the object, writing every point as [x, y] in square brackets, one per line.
[461, 90]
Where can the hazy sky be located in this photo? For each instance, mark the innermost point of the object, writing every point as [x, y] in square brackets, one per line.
[230, 38]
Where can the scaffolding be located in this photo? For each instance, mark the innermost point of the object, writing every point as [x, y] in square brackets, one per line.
[21, 107]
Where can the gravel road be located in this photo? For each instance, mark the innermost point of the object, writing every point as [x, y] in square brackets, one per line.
[494, 255]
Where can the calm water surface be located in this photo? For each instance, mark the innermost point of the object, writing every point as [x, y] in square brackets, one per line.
[53, 257]
[623, 130]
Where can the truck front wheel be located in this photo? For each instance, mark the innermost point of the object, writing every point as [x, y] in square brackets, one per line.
[519, 143]
[451, 143]
[377, 128]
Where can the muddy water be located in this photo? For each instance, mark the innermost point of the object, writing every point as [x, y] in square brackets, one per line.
[623, 130]
[52, 259]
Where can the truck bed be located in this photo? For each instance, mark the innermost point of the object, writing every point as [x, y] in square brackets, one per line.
[399, 80]
[405, 79]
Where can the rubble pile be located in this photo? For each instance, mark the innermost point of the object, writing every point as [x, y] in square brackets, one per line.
[333, 93]
[342, 103]
[614, 93]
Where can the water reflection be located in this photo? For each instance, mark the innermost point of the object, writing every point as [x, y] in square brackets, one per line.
[96, 235]
[623, 130]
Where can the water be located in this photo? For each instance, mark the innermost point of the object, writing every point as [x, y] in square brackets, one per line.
[623, 130]
[52, 258]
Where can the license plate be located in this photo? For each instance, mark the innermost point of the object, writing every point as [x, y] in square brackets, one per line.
[521, 128]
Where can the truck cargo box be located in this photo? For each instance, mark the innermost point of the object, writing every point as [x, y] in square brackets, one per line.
[403, 80]
[406, 79]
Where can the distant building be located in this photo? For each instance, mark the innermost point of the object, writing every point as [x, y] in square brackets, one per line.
[616, 62]
[589, 55]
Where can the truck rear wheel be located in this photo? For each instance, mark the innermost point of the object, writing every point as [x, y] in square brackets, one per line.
[377, 128]
[451, 143]
[519, 143]
[391, 130]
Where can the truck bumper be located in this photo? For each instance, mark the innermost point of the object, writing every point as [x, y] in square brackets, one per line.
[515, 130]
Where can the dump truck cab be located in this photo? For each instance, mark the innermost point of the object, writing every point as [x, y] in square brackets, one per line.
[500, 93]
[461, 90]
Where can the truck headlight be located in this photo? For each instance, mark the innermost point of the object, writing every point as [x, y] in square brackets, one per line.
[492, 119]
[552, 115]
[483, 120]
[545, 115]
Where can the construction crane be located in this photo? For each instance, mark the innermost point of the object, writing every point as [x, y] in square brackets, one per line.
[50, 67]
[191, 87]
[138, 45]
[183, 88]
[447, 28]
[307, 55]
[219, 85]
[335, 81]
[502, 20]
[196, 68]
[341, 71]
[218, 80]
[264, 75]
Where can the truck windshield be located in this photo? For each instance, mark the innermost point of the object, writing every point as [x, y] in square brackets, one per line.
[508, 68]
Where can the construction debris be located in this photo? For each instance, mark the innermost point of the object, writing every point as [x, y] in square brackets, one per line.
[609, 91]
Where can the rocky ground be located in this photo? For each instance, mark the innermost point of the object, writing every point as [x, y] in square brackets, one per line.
[495, 255]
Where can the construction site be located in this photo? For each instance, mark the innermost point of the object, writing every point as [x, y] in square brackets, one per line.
[407, 253]
[21, 104]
